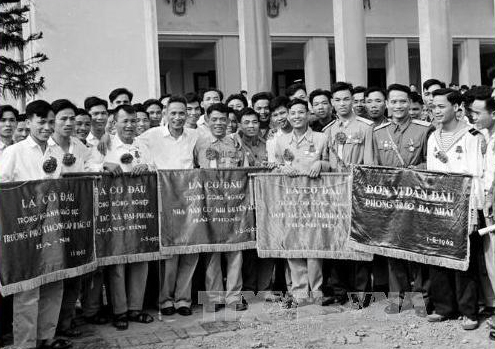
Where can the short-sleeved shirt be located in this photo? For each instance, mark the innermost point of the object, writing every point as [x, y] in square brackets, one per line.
[348, 139]
[79, 151]
[301, 152]
[254, 149]
[24, 161]
[168, 152]
[212, 152]
[410, 140]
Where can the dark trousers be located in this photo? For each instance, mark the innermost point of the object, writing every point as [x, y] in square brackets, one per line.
[402, 273]
[257, 273]
[455, 291]
[72, 289]
[349, 276]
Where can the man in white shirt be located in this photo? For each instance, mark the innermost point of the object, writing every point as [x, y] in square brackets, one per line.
[127, 281]
[98, 110]
[172, 147]
[72, 155]
[456, 147]
[482, 112]
[210, 97]
[8, 123]
[36, 311]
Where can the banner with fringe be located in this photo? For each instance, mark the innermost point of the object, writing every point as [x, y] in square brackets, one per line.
[206, 210]
[126, 228]
[300, 217]
[46, 232]
[416, 215]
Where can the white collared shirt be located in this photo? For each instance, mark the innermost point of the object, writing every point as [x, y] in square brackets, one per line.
[3, 146]
[489, 163]
[23, 161]
[77, 149]
[91, 139]
[462, 156]
[114, 155]
[201, 120]
[167, 152]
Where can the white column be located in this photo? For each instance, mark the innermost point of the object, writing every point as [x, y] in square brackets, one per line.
[255, 49]
[227, 65]
[469, 62]
[350, 41]
[435, 40]
[316, 64]
[152, 60]
[397, 61]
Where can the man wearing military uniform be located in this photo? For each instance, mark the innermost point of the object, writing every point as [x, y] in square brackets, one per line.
[303, 152]
[348, 137]
[402, 143]
[257, 273]
[217, 150]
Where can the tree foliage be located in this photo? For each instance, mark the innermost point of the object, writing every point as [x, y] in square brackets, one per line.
[19, 75]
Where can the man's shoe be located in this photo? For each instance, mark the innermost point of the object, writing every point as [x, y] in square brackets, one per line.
[436, 317]
[57, 344]
[239, 306]
[392, 309]
[184, 311]
[168, 311]
[334, 300]
[469, 324]
[71, 333]
[97, 319]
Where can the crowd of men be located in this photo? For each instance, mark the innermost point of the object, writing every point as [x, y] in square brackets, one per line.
[296, 134]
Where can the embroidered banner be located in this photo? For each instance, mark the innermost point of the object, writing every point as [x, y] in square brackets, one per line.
[416, 215]
[126, 229]
[46, 232]
[206, 210]
[300, 217]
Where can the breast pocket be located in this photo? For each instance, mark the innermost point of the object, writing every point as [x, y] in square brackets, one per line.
[411, 146]
[384, 146]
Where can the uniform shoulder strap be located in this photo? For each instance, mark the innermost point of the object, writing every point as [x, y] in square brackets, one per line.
[381, 126]
[474, 131]
[328, 126]
[364, 120]
[421, 122]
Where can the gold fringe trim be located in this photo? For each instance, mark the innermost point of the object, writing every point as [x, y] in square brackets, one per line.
[131, 258]
[58, 275]
[247, 245]
[413, 256]
[350, 255]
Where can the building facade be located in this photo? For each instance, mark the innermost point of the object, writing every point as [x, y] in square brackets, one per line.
[176, 46]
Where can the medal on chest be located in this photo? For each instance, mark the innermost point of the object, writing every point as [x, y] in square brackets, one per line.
[50, 165]
[441, 155]
[288, 157]
[411, 145]
[341, 137]
[459, 151]
[69, 159]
